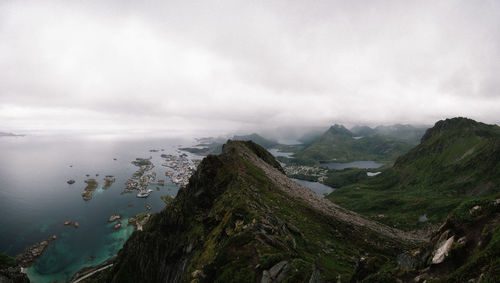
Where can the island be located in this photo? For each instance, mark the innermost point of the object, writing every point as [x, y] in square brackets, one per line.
[108, 181]
[91, 186]
[140, 180]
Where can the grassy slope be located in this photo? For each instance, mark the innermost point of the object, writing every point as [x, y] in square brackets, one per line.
[236, 223]
[459, 159]
[338, 144]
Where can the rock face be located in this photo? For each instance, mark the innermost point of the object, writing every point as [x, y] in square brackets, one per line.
[240, 219]
[13, 275]
[466, 248]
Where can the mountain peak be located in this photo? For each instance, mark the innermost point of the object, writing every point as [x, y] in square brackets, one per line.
[340, 129]
[462, 126]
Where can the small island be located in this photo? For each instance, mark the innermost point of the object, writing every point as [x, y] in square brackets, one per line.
[115, 217]
[91, 186]
[108, 181]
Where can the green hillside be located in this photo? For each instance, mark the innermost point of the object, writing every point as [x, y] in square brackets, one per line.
[239, 221]
[457, 160]
[340, 144]
[407, 133]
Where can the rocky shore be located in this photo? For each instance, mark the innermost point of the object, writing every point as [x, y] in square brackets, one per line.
[32, 253]
[13, 274]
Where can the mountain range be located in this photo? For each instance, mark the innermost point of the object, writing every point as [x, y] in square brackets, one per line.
[240, 219]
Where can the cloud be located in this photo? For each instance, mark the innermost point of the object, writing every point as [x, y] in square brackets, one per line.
[245, 65]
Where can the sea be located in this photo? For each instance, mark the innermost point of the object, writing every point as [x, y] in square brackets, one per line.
[35, 198]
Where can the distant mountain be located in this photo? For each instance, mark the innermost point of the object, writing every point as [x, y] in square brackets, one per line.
[3, 134]
[340, 144]
[240, 219]
[310, 137]
[363, 131]
[260, 140]
[407, 133]
[457, 160]
[214, 145]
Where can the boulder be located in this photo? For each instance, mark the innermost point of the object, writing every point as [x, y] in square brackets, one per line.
[442, 252]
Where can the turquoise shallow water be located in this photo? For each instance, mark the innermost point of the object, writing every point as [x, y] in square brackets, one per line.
[35, 199]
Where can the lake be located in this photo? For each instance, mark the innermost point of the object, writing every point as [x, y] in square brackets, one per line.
[35, 199]
[362, 164]
[316, 187]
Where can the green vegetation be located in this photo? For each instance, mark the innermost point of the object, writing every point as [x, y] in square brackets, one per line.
[457, 160]
[232, 222]
[235, 223]
[6, 261]
[406, 133]
[339, 144]
[340, 178]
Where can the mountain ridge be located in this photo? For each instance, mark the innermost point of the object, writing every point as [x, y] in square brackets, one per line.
[240, 218]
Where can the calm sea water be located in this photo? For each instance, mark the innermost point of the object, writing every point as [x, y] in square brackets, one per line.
[35, 199]
[362, 164]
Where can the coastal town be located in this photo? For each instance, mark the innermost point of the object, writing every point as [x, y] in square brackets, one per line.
[181, 168]
[141, 178]
[318, 173]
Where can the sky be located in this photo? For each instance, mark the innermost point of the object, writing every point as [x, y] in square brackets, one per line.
[220, 66]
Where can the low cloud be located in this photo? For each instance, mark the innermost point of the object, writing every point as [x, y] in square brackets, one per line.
[245, 65]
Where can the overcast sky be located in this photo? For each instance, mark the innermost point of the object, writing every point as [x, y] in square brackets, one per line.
[245, 65]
